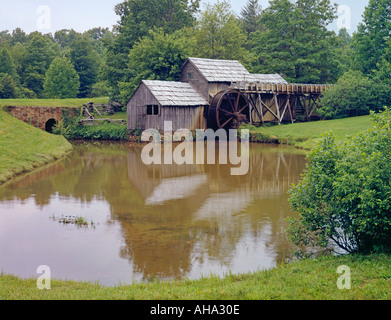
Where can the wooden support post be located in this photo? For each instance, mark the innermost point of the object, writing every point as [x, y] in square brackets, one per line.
[285, 108]
[290, 109]
[260, 106]
[305, 107]
[253, 104]
[278, 108]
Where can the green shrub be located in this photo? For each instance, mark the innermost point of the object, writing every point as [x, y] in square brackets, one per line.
[344, 197]
[104, 131]
[354, 95]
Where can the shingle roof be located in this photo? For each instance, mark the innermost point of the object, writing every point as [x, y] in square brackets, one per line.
[220, 70]
[230, 71]
[265, 78]
[170, 93]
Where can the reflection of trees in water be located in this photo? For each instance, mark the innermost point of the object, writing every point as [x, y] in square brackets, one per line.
[171, 214]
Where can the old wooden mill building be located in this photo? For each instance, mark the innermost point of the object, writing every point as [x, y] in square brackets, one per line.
[220, 94]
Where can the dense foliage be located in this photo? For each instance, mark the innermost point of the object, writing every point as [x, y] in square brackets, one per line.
[344, 197]
[72, 130]
[27, 59]
[296, 42]
[354, 95]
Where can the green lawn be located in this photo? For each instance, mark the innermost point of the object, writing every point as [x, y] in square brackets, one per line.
[309, 279]
[51, 102]
[24, 148]
[305, 135]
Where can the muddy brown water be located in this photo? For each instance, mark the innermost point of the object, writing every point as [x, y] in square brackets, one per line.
[147, 222]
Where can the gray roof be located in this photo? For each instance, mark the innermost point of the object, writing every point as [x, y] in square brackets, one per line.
[230, 71]
[170, 93]
[220, 70]
[265, 78]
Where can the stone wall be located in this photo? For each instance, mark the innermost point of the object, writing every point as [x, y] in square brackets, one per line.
[39, 116]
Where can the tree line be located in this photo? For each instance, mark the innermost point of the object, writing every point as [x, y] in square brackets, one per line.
[153, 38]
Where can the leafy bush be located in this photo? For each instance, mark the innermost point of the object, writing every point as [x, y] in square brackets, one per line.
[344, 197]
[354, 95]
[105, 131]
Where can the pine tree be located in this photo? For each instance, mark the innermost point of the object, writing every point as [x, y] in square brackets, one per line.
[296, 42]
[250, 16]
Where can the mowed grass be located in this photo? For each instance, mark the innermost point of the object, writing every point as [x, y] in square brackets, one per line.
[70, 103]
[24, 148]
[305, 135]
[309, 279]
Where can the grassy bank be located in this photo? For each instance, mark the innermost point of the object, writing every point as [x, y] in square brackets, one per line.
[24, 148]
[305, 135]
[311, 279]
[69, 103]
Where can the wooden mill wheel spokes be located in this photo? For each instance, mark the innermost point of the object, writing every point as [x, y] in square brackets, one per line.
[228, 110]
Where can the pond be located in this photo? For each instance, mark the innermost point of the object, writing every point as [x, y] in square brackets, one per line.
[147, 221]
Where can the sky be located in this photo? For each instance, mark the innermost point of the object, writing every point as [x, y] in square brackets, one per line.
[49, 16]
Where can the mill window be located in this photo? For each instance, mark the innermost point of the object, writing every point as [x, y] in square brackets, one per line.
[152, 110]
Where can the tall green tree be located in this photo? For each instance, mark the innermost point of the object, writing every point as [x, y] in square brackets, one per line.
[370, 40]
[61, 80]
[86, 62]
[250, 15]
[296, 42]
[219, 35]
[40, 53]
[158, 56]
[137, 18]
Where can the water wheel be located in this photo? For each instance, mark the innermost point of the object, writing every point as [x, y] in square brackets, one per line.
[228, 110]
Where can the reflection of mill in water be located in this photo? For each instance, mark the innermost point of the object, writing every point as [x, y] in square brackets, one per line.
[185, 207]
[173, 221]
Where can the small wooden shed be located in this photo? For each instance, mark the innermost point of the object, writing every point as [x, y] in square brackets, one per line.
[155, 102]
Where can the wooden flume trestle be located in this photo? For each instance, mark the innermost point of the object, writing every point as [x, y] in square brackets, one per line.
[264, 102]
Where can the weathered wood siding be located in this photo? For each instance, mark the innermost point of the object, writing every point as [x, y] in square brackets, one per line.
[182, 117]
[196, 80]
[137, 107]
[207, 89]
